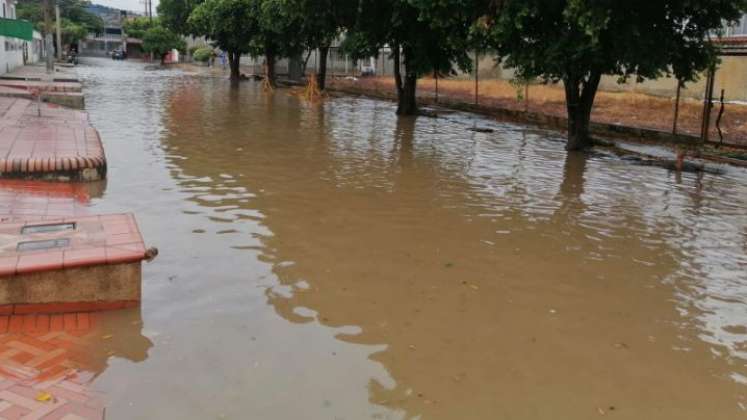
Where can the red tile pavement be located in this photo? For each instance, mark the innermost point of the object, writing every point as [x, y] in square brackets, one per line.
[44, 367]
[22, 200]
[42, 86]
[93, 240]
[60, 140]
[106, 239]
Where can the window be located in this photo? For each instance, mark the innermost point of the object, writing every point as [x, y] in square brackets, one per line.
[739, 29]
[3, 9]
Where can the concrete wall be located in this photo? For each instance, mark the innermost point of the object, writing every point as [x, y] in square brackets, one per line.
[731, 75]
[16, 52]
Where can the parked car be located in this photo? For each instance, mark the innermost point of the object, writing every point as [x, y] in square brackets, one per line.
[118, 55]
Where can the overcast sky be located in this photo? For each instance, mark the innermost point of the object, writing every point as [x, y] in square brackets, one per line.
[136, 5]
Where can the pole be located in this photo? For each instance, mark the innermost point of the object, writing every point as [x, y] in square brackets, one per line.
[707, 105]
[48, 42]
[59, 31]
[477, 78]
[436, 86]
[677, 108]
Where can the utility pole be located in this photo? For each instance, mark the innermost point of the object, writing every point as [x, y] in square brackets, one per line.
[148, 8]
[59, 30]
[48, 42]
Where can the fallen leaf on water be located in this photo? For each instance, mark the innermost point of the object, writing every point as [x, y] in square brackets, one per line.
[474, 287]
[106, 337]
[601, 412]
[412, 347]
[44, 397]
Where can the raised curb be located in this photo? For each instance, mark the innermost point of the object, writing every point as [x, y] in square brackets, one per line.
[58, 145]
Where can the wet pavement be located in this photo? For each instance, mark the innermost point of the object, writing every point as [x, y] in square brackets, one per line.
[330, 261]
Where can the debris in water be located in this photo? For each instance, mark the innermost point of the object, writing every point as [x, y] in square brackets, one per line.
[481, 129]
[44, 397]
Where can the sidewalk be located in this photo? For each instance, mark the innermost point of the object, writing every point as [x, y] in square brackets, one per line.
[45, 141]
[61, 88]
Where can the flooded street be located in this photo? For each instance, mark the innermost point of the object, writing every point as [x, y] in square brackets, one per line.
[331, 261]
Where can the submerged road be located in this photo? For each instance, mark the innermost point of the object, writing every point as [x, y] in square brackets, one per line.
[331, 261]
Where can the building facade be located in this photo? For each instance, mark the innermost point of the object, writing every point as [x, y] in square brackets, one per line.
[19, 43]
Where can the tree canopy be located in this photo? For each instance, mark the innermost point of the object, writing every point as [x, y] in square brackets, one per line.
[579, 41]
[160, 41]
[174, 15]
[230, 24]
[72, 11]
[425, 36]
[138, 26]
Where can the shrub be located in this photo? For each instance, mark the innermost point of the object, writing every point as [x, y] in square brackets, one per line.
[202, 54]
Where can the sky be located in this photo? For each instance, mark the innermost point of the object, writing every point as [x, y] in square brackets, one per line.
[136, 5]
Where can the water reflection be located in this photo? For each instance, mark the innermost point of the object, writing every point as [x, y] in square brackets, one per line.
[463, 274]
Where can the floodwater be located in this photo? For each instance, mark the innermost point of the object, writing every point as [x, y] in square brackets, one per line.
[331, 261]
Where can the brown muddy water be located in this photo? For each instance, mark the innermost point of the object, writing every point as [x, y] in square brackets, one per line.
[331, 261]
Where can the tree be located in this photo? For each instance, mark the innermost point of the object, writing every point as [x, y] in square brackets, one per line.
[319, 24]
[279, 33]
[138, 26]
[230, 24]
[174, 15]
[161, 41]
[579, 41]
[423, 36]
[72, 32]
[74, 11]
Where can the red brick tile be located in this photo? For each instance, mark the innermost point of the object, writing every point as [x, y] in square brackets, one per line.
[6, 309]
[29, 323]
[120, 256]
[15, 412]
[71, 321]
[84, 257]
[42, 323]
[41, 261]
[4, 320]
[84, 322]
[56, 323]
[16, 324]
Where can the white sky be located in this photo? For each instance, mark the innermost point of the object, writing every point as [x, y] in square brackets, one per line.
[136, 5]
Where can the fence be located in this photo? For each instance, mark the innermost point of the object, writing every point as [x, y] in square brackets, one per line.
[652, 104]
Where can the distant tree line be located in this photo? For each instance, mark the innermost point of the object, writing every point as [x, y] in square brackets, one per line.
[76, 22]
[575, 42]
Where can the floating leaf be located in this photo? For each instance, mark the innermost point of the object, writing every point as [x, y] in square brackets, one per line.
[44, 397]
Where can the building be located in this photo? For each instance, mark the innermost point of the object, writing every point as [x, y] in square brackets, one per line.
[738, 30]
[19, 43]
[112, 38]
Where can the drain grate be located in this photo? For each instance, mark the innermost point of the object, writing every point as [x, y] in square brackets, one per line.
[42, 245]
[57, 227]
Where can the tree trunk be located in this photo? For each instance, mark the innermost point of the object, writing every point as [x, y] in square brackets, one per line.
[270, 68]
[234, 62]
[406, 91]
[397, 70]
[321, 77]
[579, 97]
[407, 103]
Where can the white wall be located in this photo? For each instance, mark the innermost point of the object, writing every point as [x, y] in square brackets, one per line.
[8, 9]
[12, 52]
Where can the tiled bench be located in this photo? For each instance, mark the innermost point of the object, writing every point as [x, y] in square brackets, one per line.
[58, 145]
[71, 264]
